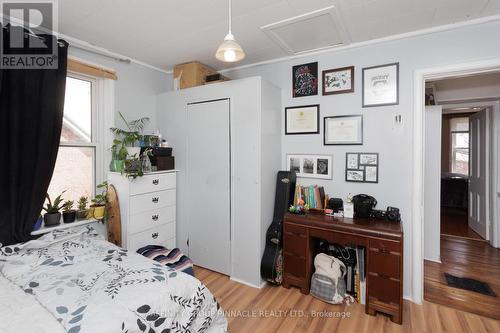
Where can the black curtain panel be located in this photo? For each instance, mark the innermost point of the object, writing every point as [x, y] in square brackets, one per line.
[31, 116]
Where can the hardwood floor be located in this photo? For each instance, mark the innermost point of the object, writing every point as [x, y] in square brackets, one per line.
[258, 310]
[464, 258]
[454, 223]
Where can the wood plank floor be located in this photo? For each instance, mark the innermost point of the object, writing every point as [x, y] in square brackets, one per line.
[464, 258]
[454, 223]
[258, 310]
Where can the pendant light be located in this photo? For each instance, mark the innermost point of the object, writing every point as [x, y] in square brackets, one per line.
[230, 50]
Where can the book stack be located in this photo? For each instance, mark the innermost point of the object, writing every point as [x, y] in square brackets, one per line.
[313, 195]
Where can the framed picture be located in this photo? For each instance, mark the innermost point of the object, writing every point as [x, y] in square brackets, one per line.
[302, 119]
[310, 166]
[361, 167]
[381, 85]
[338, 81]
[305, 80]
[343, 130]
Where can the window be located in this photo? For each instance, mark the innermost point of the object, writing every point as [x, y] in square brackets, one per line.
[75, 170]
[460, 145]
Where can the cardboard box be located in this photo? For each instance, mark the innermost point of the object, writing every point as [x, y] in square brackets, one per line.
[192, 74]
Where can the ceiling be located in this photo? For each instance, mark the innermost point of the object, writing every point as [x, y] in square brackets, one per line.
[163, 33]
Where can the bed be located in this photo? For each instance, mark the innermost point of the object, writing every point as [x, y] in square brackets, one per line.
[74, 281]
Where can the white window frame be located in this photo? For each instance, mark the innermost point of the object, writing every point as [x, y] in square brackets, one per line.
[453, 150]
[102, 113]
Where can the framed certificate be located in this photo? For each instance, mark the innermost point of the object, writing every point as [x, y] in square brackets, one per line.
[343, 130]
[302, 119]
[381, 85]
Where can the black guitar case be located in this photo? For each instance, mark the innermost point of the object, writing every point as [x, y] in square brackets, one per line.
[271, 267]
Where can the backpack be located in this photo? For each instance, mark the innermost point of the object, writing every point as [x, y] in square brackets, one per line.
[327, 282]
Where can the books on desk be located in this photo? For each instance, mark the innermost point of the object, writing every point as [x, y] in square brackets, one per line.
[313, 195]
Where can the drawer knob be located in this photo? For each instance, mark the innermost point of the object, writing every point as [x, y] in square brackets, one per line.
[154, 235]
[154, 217]
[155, 200]
[156, 181]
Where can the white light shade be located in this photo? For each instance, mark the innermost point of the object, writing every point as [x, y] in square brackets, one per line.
[230, 50]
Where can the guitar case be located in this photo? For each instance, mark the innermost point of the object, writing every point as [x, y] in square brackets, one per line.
[271, 268]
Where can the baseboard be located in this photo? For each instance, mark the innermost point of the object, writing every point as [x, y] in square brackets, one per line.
[247, 283]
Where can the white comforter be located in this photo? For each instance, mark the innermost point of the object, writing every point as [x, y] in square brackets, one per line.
[90, 285]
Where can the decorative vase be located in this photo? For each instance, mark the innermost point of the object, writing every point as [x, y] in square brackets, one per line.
[52, 219]
[117, 165]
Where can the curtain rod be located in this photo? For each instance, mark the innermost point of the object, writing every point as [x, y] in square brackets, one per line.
[101, 53]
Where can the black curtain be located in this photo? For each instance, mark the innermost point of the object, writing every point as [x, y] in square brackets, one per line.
[31, 115]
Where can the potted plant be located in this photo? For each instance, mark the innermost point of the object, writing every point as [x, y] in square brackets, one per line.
[98, 206]
[52, 214]
[69, 214]
[82, 212]
[132, 135]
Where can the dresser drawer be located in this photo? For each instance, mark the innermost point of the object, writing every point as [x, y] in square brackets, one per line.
[295, 229]
[150, 219]
[154, 236]
[385, 290]
[151, 201]
[385, 246]
[152, 183]
[384, 264]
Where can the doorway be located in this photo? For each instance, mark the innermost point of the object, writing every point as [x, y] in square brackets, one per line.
[461, 266]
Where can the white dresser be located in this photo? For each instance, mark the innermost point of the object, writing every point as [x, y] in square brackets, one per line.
[147, 208]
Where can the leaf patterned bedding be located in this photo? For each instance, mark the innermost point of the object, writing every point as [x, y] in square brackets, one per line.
[90, 285]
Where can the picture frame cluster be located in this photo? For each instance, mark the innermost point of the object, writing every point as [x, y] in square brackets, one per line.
[380, 87]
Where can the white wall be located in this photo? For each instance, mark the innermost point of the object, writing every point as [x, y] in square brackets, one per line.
[393, 142]
[135, 89]
[477, 87]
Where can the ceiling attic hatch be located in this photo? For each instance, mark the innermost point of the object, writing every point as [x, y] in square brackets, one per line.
[317, 30]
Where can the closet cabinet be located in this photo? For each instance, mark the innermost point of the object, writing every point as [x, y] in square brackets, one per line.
[227, 141]
[147, 208]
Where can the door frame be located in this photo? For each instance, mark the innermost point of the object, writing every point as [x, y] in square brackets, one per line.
[418, 153]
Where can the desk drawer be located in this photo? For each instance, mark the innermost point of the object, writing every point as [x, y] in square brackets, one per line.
[384, 264]
[295, 229]
[152, 183]
[294, 265]
[385, 290]
[385, 246]
[296, 244]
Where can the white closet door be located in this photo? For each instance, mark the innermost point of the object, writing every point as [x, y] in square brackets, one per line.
[209, 186]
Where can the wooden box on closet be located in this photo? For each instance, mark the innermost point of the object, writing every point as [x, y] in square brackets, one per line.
[147, 208]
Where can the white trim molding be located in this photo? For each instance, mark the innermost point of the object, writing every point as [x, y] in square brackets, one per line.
[419, 78]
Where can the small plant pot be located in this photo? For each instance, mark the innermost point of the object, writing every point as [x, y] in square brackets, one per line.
[98, 212]
[69, 216]
[52, 219]
[82, 214]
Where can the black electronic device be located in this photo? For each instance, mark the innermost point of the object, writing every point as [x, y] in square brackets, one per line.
[363, 205]
[378, 214]
[392, 214]
[271, 267]
[335, 204]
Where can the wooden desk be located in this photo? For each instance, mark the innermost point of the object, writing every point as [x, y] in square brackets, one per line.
[383, 241]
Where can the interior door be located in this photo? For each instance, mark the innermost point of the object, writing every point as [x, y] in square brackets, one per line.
[477, 173]
[209, 187]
